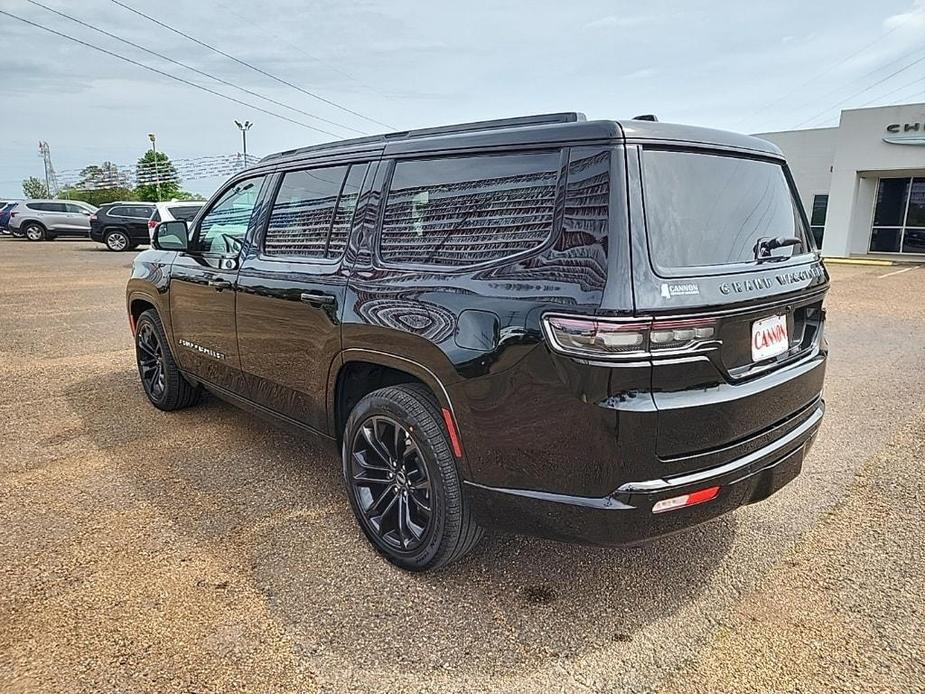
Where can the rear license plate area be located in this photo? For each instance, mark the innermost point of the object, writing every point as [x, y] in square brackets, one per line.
[770, 337]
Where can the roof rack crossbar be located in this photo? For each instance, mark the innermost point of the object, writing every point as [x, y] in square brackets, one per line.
[520, 121]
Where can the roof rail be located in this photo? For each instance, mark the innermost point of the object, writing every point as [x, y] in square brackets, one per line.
[519, 121]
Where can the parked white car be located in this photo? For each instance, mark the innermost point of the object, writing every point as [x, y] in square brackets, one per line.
[170, 211]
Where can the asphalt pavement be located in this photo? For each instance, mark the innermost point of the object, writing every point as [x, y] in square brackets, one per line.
[207, 551]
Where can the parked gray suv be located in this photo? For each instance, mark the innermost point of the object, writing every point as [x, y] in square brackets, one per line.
[43, 220]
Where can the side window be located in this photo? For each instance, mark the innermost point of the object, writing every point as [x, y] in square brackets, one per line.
[462, 211]
[71, 207]
[225, 224]
[57, 207]
[304, 212]
[156, 217]
[346, 206]
[117, 212]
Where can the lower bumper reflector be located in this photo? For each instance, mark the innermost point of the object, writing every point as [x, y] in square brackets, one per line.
[685, 500]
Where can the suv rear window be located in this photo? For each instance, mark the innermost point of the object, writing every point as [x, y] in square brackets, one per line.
[186, 212]
[706, 210]
[462, 211]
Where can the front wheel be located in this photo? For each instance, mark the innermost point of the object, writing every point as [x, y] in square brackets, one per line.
[165, 386]
[116, 240]
[403, 482]
[34, 232]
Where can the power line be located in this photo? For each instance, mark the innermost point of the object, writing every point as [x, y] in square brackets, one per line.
[248, 65]
[165, 74]
[331, 65]
[832, 67]
[190, 67]
[870, 73]
[858, 93]
[894, 91]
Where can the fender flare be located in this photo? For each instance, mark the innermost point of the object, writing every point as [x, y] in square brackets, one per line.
[416, 369]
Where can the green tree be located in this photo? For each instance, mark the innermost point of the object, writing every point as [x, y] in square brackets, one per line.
[186, 195]
[156, 177]
[34, 188]
[99, 184]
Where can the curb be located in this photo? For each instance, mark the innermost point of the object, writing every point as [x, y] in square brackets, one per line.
[858, 261]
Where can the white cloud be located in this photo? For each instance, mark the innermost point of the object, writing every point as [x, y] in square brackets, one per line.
[912, 19]
[621, 22]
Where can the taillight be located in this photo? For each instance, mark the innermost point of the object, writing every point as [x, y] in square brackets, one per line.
[13, 214]
[151, 224]
[612, 339]
[93, 217]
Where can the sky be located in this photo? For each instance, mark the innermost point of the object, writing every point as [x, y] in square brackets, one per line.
[745, 66]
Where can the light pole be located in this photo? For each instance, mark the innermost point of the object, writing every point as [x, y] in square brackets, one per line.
[157, 173]
[244, 127]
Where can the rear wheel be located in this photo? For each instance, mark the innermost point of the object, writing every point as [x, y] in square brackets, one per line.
[116, 240]
[402, 479]
[34, 231]
[164, 385]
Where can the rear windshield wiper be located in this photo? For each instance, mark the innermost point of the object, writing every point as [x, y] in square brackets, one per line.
[765, 245]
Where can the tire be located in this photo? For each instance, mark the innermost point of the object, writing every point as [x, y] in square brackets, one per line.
[422, 475]
[166, 387]
[33, 231]
[117, 240]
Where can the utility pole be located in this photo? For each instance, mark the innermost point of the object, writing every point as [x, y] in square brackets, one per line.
[157, 173]
[244, 127]
[51, 179]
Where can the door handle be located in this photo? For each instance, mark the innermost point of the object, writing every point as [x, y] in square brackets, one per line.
[219, 284]
[319, 300]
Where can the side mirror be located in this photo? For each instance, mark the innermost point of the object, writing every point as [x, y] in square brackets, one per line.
[171, 236]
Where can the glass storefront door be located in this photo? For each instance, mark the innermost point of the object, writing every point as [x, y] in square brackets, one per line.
[899, 216]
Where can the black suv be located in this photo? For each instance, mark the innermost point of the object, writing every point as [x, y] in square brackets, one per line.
[122, 226]
[593, 331]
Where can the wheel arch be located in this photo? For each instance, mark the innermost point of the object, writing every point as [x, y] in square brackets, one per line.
[138, 303]
[358, 371]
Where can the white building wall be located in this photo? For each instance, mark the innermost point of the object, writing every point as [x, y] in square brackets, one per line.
[810, 155]
[847, 162]
[861, 158]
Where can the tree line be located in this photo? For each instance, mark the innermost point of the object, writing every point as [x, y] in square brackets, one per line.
[101, 183]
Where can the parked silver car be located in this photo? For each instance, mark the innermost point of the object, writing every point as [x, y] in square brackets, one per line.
[41, 220]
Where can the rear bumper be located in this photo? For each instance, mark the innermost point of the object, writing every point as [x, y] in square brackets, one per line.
[625, 516]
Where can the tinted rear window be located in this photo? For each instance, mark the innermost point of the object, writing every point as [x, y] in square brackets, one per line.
[705, 210]
[463, 211]
[186, 212]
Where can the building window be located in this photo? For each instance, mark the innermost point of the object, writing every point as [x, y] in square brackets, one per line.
[817, 220]
[899, 216]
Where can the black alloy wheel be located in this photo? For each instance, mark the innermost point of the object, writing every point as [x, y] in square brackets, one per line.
[391, 484]
[403, 480]
[151, 362]
[165, 385]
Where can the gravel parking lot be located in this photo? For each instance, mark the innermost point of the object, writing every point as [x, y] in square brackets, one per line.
[206, 551]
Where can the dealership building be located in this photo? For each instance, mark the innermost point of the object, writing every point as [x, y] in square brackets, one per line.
[863, 182]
